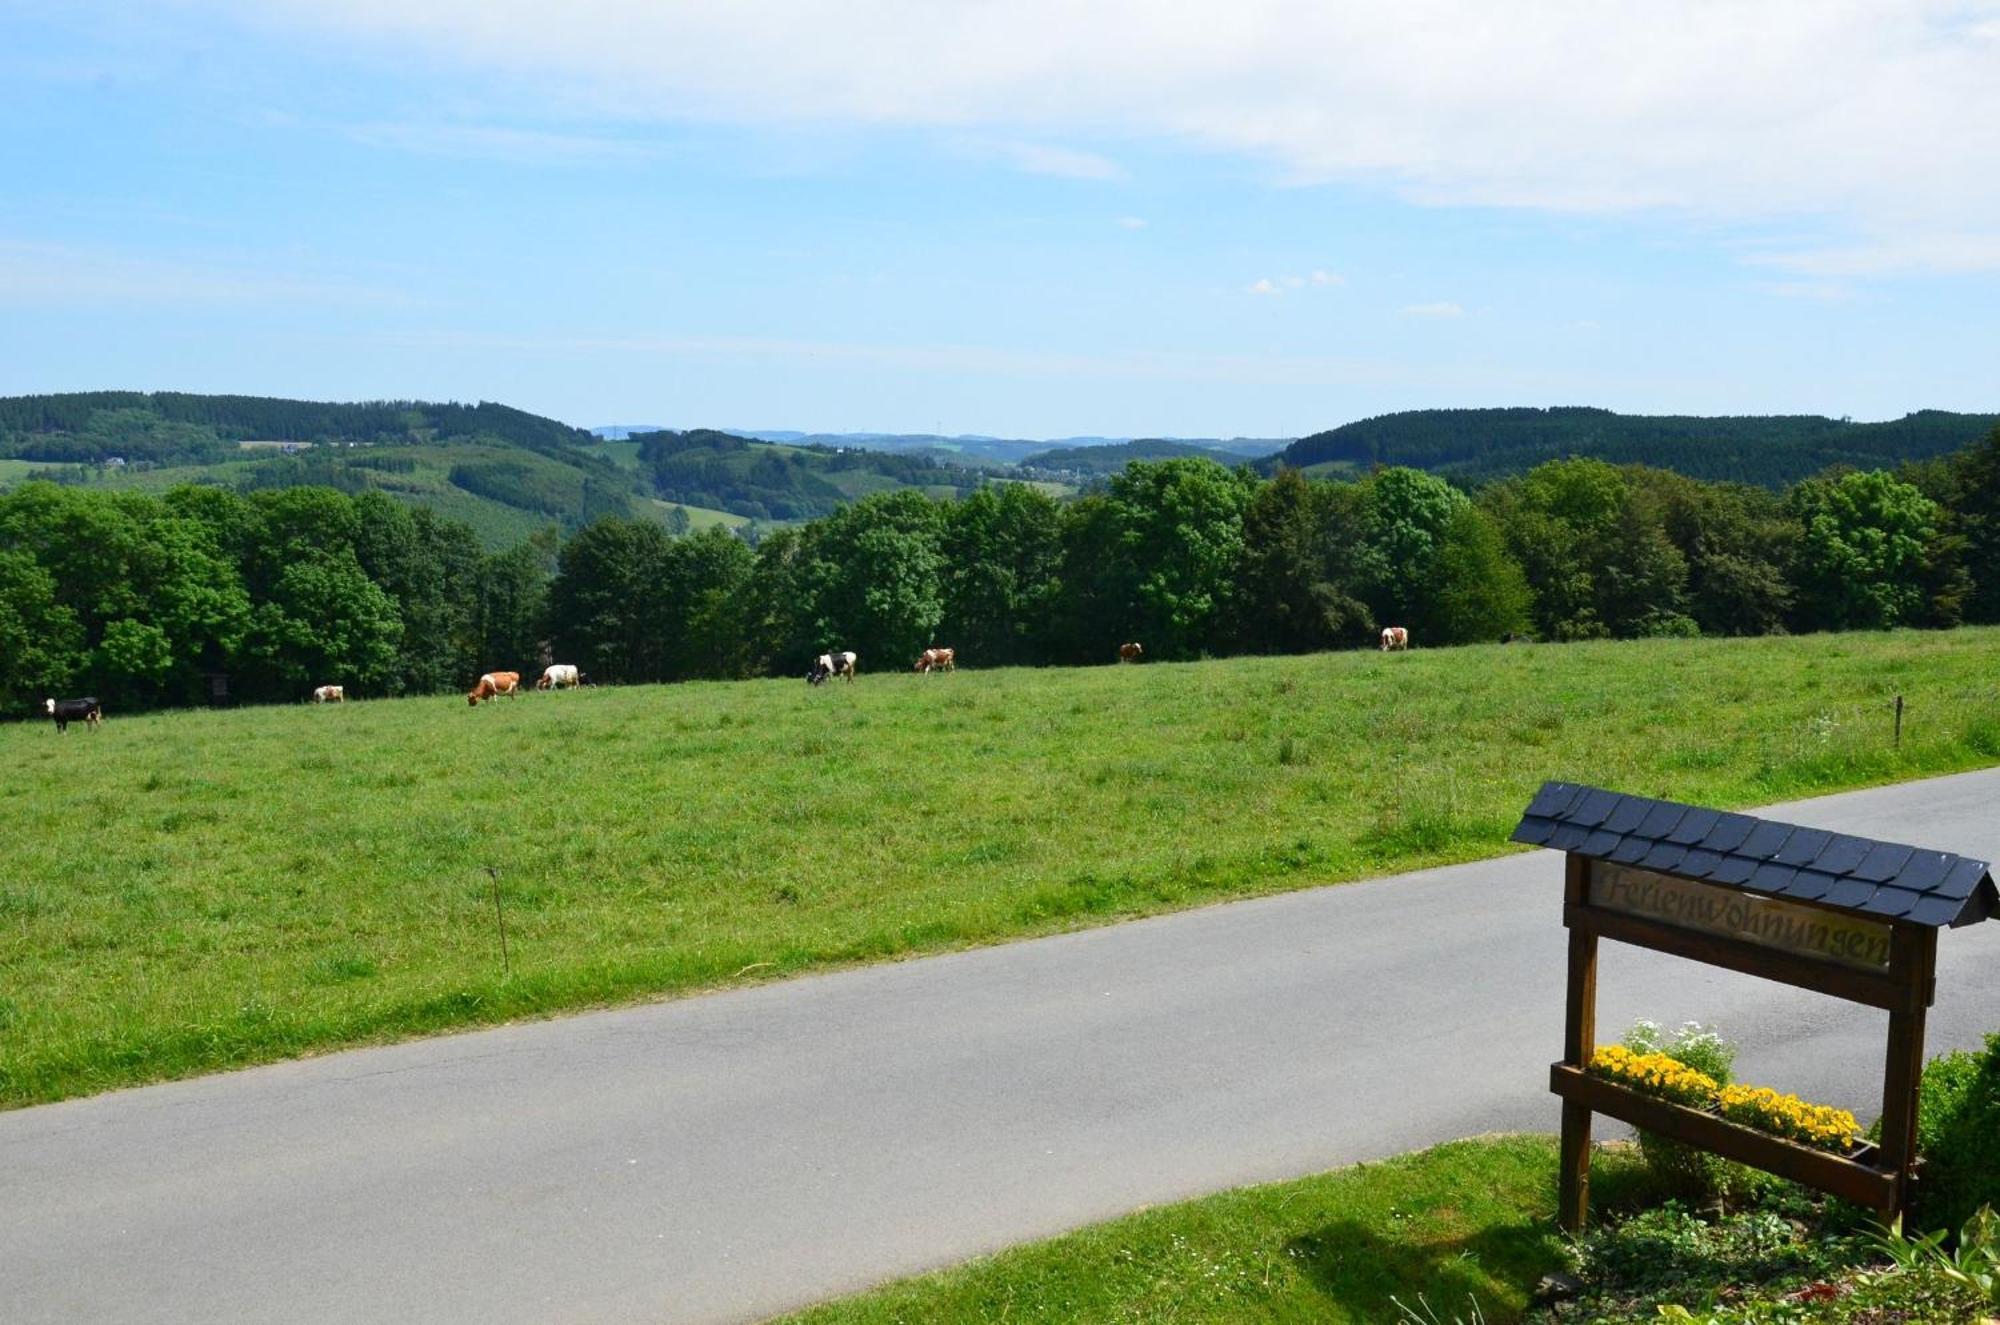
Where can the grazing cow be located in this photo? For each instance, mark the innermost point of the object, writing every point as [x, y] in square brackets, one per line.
[938, 660]
[330, 695]
[829, 665]
[559, 677]
[494, 684]
[1131, 652]
[66, 711]
[1395, 639]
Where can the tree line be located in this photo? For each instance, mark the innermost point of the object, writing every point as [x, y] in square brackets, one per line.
[141, 599]
[1479, 445]
[177, 427]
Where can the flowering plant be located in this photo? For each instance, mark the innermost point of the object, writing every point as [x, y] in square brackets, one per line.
[1788, 1115]
[1655, 1074]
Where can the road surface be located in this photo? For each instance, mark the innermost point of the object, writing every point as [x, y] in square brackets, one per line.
[726, 1157]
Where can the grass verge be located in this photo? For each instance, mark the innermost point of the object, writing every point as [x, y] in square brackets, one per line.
[1468, 1221]
[191, 891]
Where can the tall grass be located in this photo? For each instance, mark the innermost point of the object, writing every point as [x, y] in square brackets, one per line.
[191, 891]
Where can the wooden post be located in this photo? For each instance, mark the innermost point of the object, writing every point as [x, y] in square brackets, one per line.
[1899, 722]
[1579, 1042]
[1913, 960]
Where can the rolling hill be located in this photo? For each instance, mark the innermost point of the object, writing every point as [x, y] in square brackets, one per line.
[505, 472]
[783, 481]
[974, 448]
[1768, 450]
[1088, 462]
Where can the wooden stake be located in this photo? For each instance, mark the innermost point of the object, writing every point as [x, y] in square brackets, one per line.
[500, 922]
[1579, 1042]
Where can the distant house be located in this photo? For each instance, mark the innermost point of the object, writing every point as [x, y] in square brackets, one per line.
[114, 462]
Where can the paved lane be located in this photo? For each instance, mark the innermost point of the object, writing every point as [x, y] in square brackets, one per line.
[722, 1158]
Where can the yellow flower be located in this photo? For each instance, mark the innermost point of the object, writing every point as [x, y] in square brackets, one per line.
[1789, 1116]
[1655, 1074]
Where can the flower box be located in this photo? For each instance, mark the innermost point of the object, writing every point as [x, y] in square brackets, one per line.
[1856, 1176]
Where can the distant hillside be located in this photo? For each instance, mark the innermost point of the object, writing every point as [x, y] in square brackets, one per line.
[1109, 458]
[1769, 450]
[503, 471]
[166, 427]
[996, 450]
[781, 481]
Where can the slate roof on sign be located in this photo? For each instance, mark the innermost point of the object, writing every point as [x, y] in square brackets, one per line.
[1883, 880]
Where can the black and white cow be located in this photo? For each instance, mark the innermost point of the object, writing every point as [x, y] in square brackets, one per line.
[66, 711]
[829, 665]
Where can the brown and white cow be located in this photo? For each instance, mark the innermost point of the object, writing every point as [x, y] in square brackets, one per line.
[938, 660]
[330, 695]
[1131, 652]
[1395, 639]
[494, 684]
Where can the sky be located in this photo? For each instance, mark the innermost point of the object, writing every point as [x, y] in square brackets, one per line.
[1030, 218]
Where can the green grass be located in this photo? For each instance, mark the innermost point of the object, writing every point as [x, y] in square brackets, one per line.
[703, 517]
[1465, 1220]
[190, 891]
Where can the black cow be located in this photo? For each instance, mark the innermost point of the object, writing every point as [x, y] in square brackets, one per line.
[66, 711]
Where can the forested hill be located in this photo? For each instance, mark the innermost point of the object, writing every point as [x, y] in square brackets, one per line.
[1769, 450]
[1112, 457]
[773, 481]
[505, 472]
[174, 427]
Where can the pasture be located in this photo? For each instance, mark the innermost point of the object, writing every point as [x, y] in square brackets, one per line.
[190, 891]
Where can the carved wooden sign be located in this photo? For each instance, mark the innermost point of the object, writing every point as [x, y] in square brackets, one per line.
[1771, 922]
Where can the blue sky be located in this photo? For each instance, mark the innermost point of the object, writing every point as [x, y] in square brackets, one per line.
[1035, 219]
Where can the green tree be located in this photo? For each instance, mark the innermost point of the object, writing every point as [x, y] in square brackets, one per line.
[1298, 580]
[1862, 552]
[705, 599]
[1478, 591]
[606, 609]
[1180, 529]
[41, 643]
[1001, 548]
[1976, 472]
[1595, 549]
[1405, 514]
[874, 577]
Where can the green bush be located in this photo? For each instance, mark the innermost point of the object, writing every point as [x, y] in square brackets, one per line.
[1681, 1170]
[1958, 1135]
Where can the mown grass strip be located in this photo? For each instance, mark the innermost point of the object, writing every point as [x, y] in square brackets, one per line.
[192, 891]
[1465, 1222]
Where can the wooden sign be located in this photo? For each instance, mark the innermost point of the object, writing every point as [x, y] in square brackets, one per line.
[1771, 922]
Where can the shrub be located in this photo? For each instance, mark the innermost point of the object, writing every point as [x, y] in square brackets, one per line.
[1959, 1136]
[1680, 1169]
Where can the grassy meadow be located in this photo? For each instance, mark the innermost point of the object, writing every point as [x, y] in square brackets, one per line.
[190, 891]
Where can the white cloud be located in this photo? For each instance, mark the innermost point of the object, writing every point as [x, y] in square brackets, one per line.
[1131, 222]
[1878, 122]
[520, 146]
[1043, 159]
[55, 274]
[1444, 308]
[1290, 281]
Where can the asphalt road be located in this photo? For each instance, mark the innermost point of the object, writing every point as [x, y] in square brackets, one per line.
[726, 1157]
